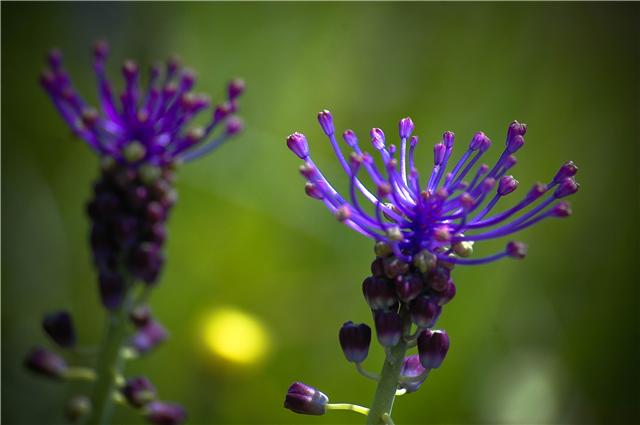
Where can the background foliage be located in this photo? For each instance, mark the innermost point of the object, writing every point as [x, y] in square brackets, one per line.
[551, 339]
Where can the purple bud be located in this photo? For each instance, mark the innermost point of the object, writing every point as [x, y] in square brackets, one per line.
[100, 50]
[378, 292]
[394, 267]
[221, 112]
[516, 250]
[350, 138]
[130, 70]
[411, 367]
[405, 127]
[408, 286]
[343, 213]
[432, 347]
[45, 363]
[139, 391]
[568, 169]
[477, 141]
[485, 145]
[59, 327]
[297, 143]
[306, 400]
[388, 327]
[514, 144]
[439, 149]
[561, 209]
[112, 289]
[163, 413]
[413, 142]
[234, 126]
[377, 138]
[55, 58]
[448, 138]
[236, 88]
[355, 341]
[507, 185]
[140, 315]
[326, 122]
[488, 183]
[447, 294]
[148, 337]
[516, 129]
[536, 191]
[424, 311]
[566, 187]
[314, 191]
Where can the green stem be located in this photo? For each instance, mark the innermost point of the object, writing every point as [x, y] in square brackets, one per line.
[110, 362]
[380, 412]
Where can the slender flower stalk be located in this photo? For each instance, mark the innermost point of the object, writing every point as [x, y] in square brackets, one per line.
[140, 136]
[423, 226]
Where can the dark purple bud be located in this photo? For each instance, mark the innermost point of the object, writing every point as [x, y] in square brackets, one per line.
[234, 126]
[411, 367]
[507, 185]
[510, 162]
[377, 267]
[516, 129]
[140, 315]
[130, 70]
[388, 327]
[297, 143]
[112, 289]
[45, 363]
[514, 144]
[516, 250]
[158, 233]
[561, 209]
[154, 212]
[394, 267]
[78, 407]
[408, 286]
[378, 292]
[314, 191]
[477, 141]
[425, 311]
[306, 400]
[405, 127]
[236, 88]
[163, 413]
[568, 169]
[221, 112]
[148, 337]
[438, 278]
[59, 327]
[326, 122]
[100, 50]
[536, 191]
[447, 294]
[432, 348]
[350, 138]
[566, 187]
[139, 391]
[439, 149]
[488, 183]
[377, 138]
[413, 142]
[448, 139]
[355, 341]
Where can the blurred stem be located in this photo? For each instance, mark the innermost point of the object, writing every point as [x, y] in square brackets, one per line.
[110, 362]
[380, 412]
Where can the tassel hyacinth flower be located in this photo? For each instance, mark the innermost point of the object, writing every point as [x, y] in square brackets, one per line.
[423, 225]
[140, 138]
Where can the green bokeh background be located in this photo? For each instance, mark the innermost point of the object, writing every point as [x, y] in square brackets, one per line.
[553, 339]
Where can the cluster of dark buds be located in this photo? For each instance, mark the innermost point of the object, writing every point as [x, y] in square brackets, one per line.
[140, 141]
[422, 230]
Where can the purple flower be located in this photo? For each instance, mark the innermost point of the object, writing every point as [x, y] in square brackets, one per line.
[45, 363]
[443, 214]
[150, 123]
[355, 340]
[59, 326]
[432, 347]
[163, 413]
[148, 336]
[388, 327]
[306, 400]
[411, 368]
[139, 391]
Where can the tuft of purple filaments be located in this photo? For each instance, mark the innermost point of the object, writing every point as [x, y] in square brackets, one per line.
[443, 213]
[153, 119]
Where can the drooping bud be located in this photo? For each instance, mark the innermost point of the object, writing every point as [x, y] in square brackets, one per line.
[355, 340]
[378, 292]
[388, 327]
[297, 143]
[448, 139]
[326, 122]
[515, 129]
[45, 363]
[163, 413]
[477, 141]
[566, 187]
[411, 368]
[313, 190]
[561, 209]
[439, 150]
[424, 311]
[536, 191]
[377, 138]
[350, 138]
[432, 348]
[408, 286]
[305, 400]
[112, 289]
[507, 185]
[405, 127]
[59, 327]
[568, 169]
[516, 250]
[437, 278]
[139, 391]
[447, 294]
[148, 337]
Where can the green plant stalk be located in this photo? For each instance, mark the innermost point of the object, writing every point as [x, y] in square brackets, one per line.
[389, 378]
[110, 362]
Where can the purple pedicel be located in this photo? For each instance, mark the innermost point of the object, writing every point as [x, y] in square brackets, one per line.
[413, 215]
